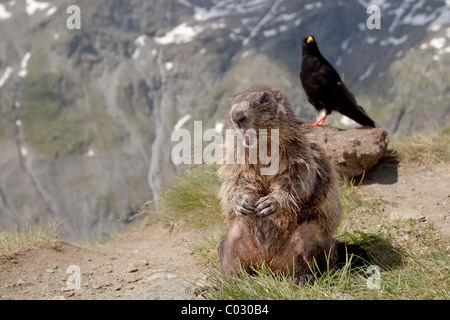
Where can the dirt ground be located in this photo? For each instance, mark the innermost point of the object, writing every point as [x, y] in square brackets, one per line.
[150, 262]
[155, 262]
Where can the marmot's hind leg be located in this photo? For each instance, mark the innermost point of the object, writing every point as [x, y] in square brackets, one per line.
[235, 251]
[316, 251]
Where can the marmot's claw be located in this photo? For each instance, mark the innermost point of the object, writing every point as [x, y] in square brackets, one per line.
[266, 207]
[244, 205]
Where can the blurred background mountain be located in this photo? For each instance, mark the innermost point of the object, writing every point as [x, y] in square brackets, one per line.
[86, 115]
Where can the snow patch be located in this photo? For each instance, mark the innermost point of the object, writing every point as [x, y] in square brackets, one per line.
[344, 44]
[136, 53]
[245, 54]
[286, 17]
[371, 40]
[313, 5]
[140, 41]
[394, 41]
[202, 14]
[3, 13]
[270, 33]
[168, 66]
[5, 75]
[436, 27]
[23, 151]
[227, 8]
[185, 3]
[182, 122]
[51, 11]
[18, 123]
[90, 153]
[283, 28]
[23, 65]
[32, 6]
[368, 72]
[438, 43]
[399, 54]
[218, 25]
[180, 34]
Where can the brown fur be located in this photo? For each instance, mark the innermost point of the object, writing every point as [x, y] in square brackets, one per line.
[304, 192]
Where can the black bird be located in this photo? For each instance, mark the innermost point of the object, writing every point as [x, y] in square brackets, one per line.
[325, 89]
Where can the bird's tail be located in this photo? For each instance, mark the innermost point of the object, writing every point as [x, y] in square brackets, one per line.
[360, 116]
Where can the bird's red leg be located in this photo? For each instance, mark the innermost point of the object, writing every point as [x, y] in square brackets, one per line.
[319, 122]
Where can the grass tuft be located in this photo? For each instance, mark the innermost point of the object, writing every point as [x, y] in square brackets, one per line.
[34, 235]
[193, 200]
[424, 148]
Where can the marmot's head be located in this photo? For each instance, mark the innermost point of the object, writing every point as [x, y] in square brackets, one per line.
[254, 109]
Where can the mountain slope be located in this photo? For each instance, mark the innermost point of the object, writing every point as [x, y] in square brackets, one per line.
[86, 115]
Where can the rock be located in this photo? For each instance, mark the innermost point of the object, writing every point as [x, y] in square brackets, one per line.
[20, 282]
[353, 151]
[132, 279]
[132, 268]
[407, 214]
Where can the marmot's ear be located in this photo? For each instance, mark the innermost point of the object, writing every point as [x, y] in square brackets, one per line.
[281, 101]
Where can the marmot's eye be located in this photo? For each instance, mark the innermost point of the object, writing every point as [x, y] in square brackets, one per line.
[265, 97]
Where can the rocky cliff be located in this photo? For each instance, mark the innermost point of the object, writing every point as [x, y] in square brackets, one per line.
[86, 114]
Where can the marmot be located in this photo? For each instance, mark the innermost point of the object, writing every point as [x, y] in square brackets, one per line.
[285, 219]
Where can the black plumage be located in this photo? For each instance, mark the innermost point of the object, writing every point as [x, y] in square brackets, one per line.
[325, 89]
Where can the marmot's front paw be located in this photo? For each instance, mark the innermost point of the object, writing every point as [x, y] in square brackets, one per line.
[267, 207]
[245, 205]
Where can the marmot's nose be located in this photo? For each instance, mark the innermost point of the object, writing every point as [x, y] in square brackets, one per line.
[238, 117]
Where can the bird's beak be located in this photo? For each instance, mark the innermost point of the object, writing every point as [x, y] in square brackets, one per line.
[309, 39]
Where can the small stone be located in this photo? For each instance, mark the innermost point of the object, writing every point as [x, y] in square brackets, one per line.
[132, 280]
[20, 282]
[132, 268]
[410, 214]
[158, 275]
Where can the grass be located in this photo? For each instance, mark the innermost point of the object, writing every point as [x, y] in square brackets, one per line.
[424, 148]
[413, 260]
[34, 235]
[192, 199]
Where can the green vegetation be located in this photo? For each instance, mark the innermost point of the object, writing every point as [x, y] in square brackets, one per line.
[32, 236]
[413, 259]
[425, 147]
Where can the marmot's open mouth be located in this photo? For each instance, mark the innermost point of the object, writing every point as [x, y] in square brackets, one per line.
[250, 140]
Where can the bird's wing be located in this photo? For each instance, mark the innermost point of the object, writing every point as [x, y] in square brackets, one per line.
[338, 96]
